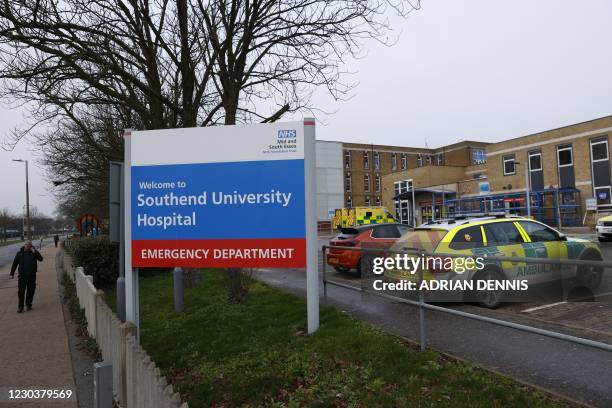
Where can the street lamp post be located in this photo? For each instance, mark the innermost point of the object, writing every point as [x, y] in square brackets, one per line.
[28, 229]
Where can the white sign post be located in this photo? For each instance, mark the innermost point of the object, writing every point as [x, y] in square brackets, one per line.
[312, 264]
[226, 196]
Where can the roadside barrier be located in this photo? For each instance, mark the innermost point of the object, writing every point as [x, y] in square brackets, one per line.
[422, 305]
[137, 381]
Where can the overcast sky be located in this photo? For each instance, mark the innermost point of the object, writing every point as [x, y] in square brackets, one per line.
[479, 70]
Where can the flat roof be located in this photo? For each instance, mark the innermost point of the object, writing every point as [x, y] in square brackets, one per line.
[408, 194]
[432, 149]
[553, 129]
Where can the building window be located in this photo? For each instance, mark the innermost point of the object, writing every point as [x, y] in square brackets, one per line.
[376, 160]
[367, 201]
[393, 161]
[377, 183]
[565, 156]
[378, 201]
[603, 195]
[349, 202]
[479, 156]
[440, 159]
[366, 183]
[419, 161]
[347, 159]
[347, 182]
[599, 150]
[404, 161]
[429, 160]
[366, 160]
[509, 165]
[397, 187]
[535, 161]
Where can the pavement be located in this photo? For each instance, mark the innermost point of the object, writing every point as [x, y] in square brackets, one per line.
[34, 351]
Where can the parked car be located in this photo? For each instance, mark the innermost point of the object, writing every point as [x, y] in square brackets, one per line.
[604, 228]
[501, 236]
[371, 236]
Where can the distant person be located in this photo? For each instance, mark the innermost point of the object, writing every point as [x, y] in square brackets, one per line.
[56, 240]
[27, 259]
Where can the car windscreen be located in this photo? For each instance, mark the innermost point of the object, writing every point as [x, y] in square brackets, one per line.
[349, 232]
[425, 240]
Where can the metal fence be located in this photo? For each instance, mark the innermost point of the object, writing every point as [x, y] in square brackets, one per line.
[423, 305]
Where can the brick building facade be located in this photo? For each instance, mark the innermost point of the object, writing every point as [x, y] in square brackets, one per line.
[366, 166]
[562, 168]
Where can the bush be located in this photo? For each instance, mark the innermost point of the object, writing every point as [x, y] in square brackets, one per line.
[98, 256]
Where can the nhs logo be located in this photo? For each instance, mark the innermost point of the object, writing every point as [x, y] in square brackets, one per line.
[287, 134]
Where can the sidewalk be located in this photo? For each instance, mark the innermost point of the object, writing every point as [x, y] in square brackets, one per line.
[34, 349]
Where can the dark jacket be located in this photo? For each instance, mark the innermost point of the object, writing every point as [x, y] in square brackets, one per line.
[27, 261]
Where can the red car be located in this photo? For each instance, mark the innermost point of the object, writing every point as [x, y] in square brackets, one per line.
[366, 236]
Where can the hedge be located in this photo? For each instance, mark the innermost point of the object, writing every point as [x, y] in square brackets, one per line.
[98, 256]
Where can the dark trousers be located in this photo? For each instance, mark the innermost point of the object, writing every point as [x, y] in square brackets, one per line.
[26, 286]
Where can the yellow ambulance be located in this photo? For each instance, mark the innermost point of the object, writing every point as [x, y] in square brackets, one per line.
[353, 217]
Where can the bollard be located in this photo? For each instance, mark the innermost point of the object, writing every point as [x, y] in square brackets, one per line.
[422, 321]
[324, 275]
[103, 385]
[178, 290]
[121, 298]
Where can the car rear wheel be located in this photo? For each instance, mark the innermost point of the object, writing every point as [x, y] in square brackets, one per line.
[341, 269]
[490, 299]
[602, 239]
[590, 276]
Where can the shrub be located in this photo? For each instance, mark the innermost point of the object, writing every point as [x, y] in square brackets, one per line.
[238, 282]
[98, 256]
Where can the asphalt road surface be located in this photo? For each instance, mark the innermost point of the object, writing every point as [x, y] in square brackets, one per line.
[7, 253]
[545, 307]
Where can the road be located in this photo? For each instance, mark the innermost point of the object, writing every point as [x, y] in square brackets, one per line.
[545, 307]
[7, 253]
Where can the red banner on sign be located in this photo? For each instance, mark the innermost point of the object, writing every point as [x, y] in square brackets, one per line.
[223, 253]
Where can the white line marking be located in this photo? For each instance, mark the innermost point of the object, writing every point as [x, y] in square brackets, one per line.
[533, 309]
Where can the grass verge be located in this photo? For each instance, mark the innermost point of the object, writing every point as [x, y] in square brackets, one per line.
[10, 242]
[87, 343]
[257, 354]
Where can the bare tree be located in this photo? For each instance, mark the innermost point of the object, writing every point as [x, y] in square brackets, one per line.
[278, 52]
[5, 220]
[166, 64]
[181, 63]
[40, 222]
[76, 155]
[66, 55]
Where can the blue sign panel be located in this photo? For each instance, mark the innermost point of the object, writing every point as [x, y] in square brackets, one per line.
[235, 200]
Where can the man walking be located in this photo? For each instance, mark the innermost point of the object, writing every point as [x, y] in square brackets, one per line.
[27, 259]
